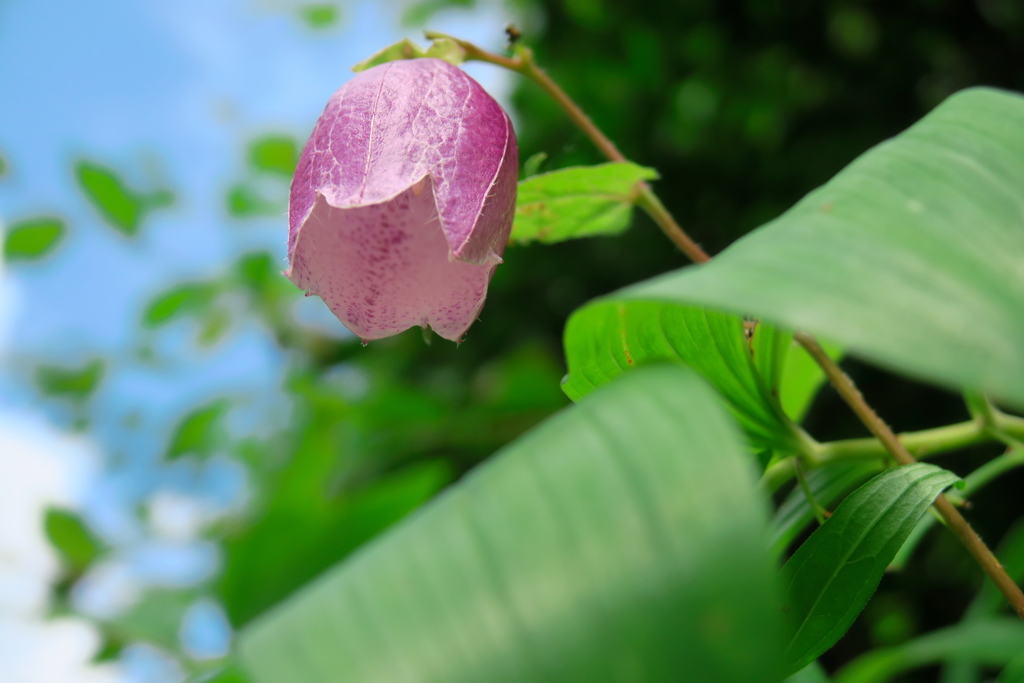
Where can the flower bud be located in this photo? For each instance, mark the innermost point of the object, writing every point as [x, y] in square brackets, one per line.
[402, 200]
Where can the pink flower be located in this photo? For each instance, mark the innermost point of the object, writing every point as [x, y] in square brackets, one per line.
[402, 200]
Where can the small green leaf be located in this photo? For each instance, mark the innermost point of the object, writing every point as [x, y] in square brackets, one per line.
[623, 539]
[802, 378]
[172, 304]
[245, 201]
[577, 202]
[77, 545]
[156, 618]
[199, 432]
[120, 206]
[607, 338]
[828, 484]
[74, 384]
[319, 16]
[274, 154]
[403, 49]
[993, 642]
[834, 573]
[446, 49]
[3, 166]
[531, 166]
[32, 239]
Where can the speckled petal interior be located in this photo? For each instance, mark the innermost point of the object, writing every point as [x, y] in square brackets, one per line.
[384, 268]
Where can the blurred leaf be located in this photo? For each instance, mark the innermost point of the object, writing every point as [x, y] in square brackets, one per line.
[910, 257]
[802, 378]
[812, 673]
[319, 16]
[989, 601]
[403, 49]
[577, 202]
[155, 618]
[3, 166]
[121, 207]
[182, 299]
[1014, 671]
[32, 239]
[274, 154]
[623, 535]
[304, 530]
[229, 674]
[994, 642]
[74, 541]
[215, 324]
[608, 338]
[199, 432]
[419, 13]
[834, 573]
[71, 383]
[244, 201]
[531, 166]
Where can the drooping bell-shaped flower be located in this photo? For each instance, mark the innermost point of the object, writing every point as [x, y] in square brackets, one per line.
[402, 200]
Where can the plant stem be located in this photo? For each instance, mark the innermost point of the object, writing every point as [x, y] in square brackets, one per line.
[954, 520]
[523, 63]
[820, 513]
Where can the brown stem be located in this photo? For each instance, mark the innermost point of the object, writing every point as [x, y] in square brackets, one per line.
[956, 522]
[523, 63]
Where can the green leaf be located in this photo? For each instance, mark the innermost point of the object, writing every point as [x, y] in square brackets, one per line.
[181, 300]
[910, 257]
[73, 540]
[403, 49]
[155, 618]
[989, 601]
[319, 16]
[623, 537]
[32, 239]
[245, 201]
[828, 484]
[802, 378]
[606, 339]
[3, 166]
[229, 674]
[120, 206]
[993, 642]
[276, 154]
[305, 531]
[812, 673]
[199, 432]
[73, 383]
[577, 202]
[834, 573]
[531, 166]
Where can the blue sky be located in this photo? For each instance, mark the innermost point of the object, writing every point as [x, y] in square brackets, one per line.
[168, 94]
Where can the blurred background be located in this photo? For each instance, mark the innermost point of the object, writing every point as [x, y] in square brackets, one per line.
[185, 439]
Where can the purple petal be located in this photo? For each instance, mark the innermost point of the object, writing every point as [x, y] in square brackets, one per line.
[403, 199]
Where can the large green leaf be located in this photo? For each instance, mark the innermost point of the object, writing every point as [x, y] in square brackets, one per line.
[622, 540]
[581, 201]
[910, 257]
[608, 338]
[993, 642]
[834, 573]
